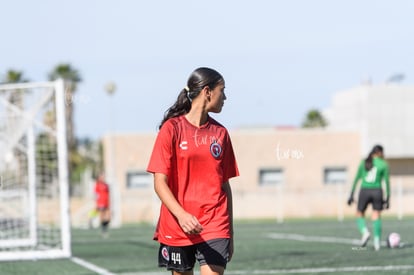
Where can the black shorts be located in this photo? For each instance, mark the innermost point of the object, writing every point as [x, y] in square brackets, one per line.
[367, 196]
[182, 258]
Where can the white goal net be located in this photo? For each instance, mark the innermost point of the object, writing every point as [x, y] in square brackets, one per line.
[34, 200]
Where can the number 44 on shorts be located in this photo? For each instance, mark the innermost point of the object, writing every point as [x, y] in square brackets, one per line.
[176, 258]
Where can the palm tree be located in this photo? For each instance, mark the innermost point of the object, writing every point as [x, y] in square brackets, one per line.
[314, 119]
[13, 76]
[16, 96]
[72, 77]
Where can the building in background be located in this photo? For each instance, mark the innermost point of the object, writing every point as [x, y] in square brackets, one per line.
[284, 173]
[380, 113]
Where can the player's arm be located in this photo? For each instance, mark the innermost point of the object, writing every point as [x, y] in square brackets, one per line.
[227, 189]
[358, 176]
[356, 179]
[188, 222]
[387, 186]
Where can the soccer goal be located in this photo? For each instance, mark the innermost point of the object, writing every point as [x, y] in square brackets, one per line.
[34, 196]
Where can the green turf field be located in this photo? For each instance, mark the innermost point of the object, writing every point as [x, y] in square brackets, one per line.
[261, 247]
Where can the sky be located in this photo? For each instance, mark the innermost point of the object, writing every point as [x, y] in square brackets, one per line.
[279, 58]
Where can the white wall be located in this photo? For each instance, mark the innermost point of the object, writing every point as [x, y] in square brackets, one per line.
[382, 114]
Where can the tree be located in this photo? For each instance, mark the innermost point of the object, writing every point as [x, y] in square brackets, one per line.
[314, 119]
[12, 76]
[72, 77]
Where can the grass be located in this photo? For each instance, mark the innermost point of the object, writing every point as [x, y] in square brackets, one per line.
[315, 246]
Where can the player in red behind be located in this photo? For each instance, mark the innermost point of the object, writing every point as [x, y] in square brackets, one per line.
[192, 162]
[102, 203]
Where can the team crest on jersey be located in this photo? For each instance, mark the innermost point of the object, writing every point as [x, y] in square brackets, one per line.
[215, 149]
[165, 254]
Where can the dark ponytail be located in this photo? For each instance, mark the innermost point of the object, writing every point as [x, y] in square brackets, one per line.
[368, 161]
[198, 79]
[181, 106]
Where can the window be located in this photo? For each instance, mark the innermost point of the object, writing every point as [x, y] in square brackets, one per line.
[270, 176]
[335, 175]
[139, 179]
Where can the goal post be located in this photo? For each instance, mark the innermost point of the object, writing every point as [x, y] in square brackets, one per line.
[34, 186]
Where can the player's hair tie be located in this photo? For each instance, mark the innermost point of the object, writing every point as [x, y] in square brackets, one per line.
[188, 93]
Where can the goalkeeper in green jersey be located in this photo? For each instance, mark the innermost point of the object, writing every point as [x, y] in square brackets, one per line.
[372, 172]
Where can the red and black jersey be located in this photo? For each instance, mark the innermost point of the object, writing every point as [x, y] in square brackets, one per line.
[197, 161]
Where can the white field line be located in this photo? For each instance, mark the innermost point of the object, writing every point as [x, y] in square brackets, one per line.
[319, 239]
[303, 270]
[91, 266]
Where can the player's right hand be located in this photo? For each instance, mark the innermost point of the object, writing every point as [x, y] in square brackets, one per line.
[350, 200]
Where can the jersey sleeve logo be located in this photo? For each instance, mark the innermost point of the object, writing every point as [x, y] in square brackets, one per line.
[215, 149]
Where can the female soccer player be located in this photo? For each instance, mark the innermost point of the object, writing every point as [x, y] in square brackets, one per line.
[372, 171]
[102, 204]
[192, 162]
